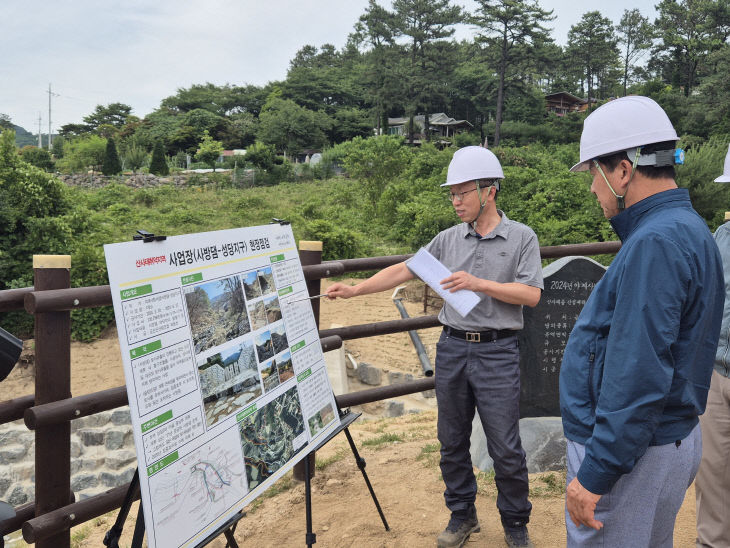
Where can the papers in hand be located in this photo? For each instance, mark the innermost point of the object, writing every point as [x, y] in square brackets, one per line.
[431, 271]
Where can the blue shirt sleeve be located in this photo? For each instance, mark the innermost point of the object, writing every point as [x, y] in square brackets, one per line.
[639, 365]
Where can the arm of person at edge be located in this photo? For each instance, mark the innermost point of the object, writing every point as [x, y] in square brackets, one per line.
[387, 278]
[511, 293]
[637, 376]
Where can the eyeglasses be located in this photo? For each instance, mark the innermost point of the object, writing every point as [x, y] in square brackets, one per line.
[459, 196]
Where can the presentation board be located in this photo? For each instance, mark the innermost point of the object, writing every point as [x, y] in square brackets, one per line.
[225, 374]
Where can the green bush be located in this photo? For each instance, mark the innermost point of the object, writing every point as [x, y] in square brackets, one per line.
[337, 242]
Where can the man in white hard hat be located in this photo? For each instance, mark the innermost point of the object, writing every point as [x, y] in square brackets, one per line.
[637, 366]
[713, 478]
[477, 359]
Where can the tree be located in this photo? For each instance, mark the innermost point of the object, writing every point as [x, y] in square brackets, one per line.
[376, 162]
[158, 164]
[636, 34]
[38, 157]
[83, 153]
[114, 114]
[135, 157]
[511, 27]
[209, 150]
[5, 122]
[57, 149]
[376, 27]
[111, 165]
[291, 128]
[424, 23]
[32, 206]
[593, 45]
[688, 33]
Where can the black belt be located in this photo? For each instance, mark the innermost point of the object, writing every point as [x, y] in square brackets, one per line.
[490, 335]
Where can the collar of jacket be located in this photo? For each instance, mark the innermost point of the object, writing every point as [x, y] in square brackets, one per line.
[625, 222]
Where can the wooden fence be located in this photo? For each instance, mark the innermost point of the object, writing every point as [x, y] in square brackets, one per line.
[47, 520]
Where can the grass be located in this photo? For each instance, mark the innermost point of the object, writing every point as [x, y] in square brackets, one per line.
[384, 439]
[322, 463]
[79, 535]
[550, 484]
[430, 454]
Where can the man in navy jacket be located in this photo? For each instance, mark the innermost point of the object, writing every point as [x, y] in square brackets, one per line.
[637, 367]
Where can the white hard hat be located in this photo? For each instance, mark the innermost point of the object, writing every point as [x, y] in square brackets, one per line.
[471, 164]
[622, 124]
[725, 177]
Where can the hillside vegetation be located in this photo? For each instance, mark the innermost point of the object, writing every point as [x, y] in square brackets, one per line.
[384, 207]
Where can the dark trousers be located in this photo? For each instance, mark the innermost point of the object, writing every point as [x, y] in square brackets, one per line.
[486, 376]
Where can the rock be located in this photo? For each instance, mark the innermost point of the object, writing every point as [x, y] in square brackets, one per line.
[5, 483]
[80, 482]
[429, 393]
[114, 438]
[395, 377]
[369, 374]
[121, 417]
[394, 408]
[76, 448]
[20, 495]
[91, 437]
[542, 440]
[115, 480]
[12, 453]
[120, 459]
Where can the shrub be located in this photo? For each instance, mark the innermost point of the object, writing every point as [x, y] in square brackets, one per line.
[111, 165]
[158, 164]
[337, 242]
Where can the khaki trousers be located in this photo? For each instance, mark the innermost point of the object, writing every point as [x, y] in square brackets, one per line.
[713, 478]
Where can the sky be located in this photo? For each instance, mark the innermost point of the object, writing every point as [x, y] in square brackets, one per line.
[138, 52]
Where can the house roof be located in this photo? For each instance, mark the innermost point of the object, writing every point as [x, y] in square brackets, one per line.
[564, 96]
[436, 119]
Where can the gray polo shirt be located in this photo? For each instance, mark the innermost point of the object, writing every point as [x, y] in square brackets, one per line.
[510, 253]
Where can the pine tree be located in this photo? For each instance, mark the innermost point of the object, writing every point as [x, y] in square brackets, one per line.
[158, 165]
[111, 165]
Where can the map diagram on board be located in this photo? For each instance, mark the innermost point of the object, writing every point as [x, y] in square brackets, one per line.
[196, 489]
[269, 436]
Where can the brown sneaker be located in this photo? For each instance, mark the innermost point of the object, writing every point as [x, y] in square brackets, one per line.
[458, 530]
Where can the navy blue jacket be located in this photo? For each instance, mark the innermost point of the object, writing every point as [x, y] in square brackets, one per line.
[637, 366]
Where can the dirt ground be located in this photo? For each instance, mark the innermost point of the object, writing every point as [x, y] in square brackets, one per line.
[401, 455]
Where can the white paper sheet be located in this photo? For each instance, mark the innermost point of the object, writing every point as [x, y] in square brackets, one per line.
[432, 271]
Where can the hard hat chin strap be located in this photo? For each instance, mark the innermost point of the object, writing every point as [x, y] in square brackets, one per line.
[620, 202]
[481, 205]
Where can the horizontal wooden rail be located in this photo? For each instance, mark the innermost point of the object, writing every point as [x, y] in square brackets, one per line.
[381, 328]
[68, 516]
[82, 406]
[62, 519]
[12, 299]
[12, 410]
[384, 392]
[22, 514]
[56, 300]
[570, 250]
[100, 295]
[74, 408]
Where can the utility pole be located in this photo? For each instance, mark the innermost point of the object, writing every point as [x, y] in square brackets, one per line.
[40, 142]
[50, 136]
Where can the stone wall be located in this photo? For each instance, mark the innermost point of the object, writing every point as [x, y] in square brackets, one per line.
[141, 180]
[102, 456]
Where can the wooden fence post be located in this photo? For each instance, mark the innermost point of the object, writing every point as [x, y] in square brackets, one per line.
[310, 253]
[53, 383]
